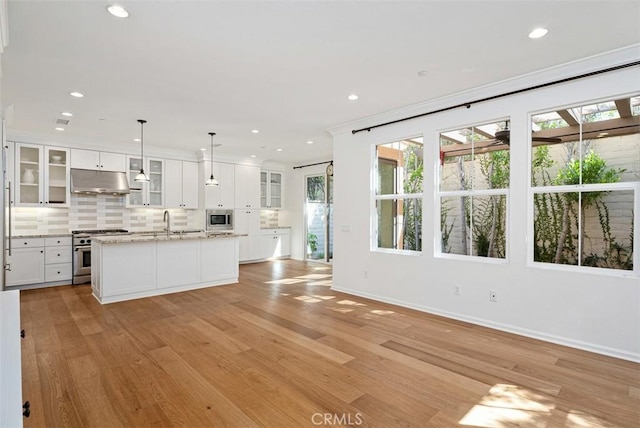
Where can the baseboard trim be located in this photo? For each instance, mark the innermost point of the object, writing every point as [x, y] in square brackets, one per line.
[559, 340]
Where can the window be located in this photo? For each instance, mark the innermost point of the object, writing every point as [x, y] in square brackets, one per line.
[585, 172]
[398, 195]
[474, 183]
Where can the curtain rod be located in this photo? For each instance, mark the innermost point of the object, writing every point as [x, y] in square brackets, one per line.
[506, 94]
[312, 164]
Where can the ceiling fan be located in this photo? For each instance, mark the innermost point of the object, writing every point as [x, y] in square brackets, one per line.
[500, 138]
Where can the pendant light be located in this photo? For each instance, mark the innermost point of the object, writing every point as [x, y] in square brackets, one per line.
[141, 177]
[212, 180]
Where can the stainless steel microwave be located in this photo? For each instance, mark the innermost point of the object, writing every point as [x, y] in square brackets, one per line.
[219, 219]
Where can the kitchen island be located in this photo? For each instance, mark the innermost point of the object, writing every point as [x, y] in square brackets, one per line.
[126, 267]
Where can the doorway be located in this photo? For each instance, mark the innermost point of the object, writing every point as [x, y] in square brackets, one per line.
[319, 217]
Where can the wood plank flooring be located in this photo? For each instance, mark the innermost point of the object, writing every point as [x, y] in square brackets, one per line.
[281, 349]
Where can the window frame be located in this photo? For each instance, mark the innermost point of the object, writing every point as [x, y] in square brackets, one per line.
[633, 186]
[374, 198]
[439, 194]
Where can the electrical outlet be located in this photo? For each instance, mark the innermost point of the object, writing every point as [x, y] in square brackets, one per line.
[493, 296]
[456, 290]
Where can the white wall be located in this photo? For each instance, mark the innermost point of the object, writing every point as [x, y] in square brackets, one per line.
[591, 311]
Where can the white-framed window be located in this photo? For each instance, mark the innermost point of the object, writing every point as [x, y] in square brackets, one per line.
[473, 190]
[585, 185]
[397, 196]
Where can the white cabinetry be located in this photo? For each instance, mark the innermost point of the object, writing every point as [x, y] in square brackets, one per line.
[181, 184]
[248, 222]
[222, 195]
[42, 175]
[247, 186]
[275, 243]
[10, 360]
[57, 259]
[271, 189]
[39, 260]
[26, 262]
[149, 194]
[91, 159]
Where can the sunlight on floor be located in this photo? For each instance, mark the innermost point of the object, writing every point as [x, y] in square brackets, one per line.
[509, 405]
[577, 419]
[321, 279]
[379, 312]
[350, 302]
[314, 298]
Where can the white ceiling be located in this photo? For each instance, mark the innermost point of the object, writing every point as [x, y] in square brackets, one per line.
[282, 67]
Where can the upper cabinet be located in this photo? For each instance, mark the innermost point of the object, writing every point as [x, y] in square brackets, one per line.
[271, 189]
[146, 194]
[247, 186]
[42, 175]
[181, 184]
[91, 159]
[221, 196]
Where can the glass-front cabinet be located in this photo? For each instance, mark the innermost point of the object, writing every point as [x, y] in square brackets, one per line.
[42, 175]
[149, 194]
[270, 189]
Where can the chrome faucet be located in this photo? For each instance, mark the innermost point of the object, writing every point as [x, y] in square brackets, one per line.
[167, 217]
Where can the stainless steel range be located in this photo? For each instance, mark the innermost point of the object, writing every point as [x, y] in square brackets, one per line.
[82, 252]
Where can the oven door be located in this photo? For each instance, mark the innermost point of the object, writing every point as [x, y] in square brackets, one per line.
[82, 261]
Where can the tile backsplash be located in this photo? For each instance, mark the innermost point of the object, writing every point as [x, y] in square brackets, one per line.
[98, 212]
[269, 218]
[109, 212]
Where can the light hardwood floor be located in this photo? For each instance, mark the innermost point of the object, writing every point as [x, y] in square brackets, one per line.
[281, 349]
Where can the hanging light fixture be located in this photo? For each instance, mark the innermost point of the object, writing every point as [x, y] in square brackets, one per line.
[141, 175]
[212, 180]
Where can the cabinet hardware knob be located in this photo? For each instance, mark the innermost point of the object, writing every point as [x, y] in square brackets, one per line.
[58, 272]
[25, 243]
[42, 251]
[26, 413]
[26, 405]
[58, 255]
[22, 335]
[97, 166]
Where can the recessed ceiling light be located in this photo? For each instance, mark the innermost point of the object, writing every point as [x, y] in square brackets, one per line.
[255, 131]
[59, 129]
[352, 97]
[278, 150]
[76, 94]
[117, 11]
[137, 140]
[203, 149]
[422, 73]
[537, 33]
[253, 156]
[66, 113]
[309, 142]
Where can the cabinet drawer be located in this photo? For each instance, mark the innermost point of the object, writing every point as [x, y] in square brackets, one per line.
[57, 272]
[57, 255]
[57, 240]
[27, 243]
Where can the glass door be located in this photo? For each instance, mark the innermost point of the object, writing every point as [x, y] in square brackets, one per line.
[319, 217]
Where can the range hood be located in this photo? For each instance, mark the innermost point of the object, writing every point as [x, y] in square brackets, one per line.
[90, 181]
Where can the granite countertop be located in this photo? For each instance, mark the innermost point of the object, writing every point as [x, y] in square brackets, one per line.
[161, 236]
[47, 235]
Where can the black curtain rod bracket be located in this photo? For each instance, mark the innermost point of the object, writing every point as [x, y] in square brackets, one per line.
[505, 94]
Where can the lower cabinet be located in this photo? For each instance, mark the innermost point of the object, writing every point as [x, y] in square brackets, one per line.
[275, 243]
[38, 261]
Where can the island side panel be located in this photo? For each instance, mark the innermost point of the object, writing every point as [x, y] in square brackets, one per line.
[219, 259]
[178, 263]
[128, 268]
